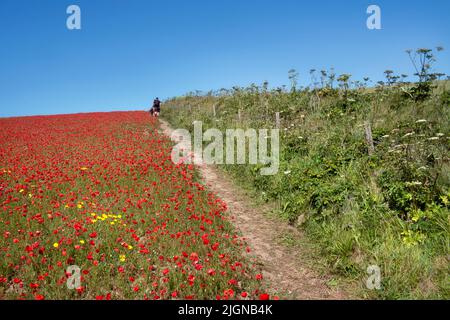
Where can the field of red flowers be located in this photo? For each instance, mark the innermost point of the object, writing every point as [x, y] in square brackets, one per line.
[99, 191]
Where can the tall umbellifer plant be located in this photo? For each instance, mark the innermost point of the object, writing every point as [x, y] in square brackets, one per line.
[391, 78]
[422, 60]
[343, 80]
[344, 84]
[323, 77]
[314, 82]
[293, 78]
[331, 77]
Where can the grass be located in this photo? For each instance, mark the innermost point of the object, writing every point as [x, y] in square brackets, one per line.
[389, 208]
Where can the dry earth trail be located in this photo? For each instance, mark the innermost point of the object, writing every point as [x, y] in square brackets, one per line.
[282, 265]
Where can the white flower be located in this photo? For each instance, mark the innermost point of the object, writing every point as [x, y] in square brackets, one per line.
[408, 134]
[287, 172]
[414, 183]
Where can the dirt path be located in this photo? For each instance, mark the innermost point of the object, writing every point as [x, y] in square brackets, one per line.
[282, 266]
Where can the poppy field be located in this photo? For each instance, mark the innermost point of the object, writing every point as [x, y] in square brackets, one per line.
[99, 191]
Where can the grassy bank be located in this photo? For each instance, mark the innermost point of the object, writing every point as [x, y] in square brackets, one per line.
[387, 207]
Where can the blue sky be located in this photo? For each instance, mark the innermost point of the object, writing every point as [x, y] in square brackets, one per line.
[128, 52]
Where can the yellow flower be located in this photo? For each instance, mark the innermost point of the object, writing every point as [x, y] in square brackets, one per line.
[30, 195]
[93, 214]
[82, 241]
[21, 190]
[79, 206]
[122, 258]
[444, 200]
[83, 168]
[112, 223]
[56, 245]
[130, 247]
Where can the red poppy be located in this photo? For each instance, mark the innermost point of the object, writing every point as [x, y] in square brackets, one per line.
[264, 296]
[211, 272]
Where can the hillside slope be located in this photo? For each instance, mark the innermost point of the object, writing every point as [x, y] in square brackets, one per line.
[387, 207]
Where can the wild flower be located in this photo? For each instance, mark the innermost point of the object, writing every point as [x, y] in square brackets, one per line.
[113, 205]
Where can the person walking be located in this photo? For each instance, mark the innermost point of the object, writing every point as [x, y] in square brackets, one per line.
[156, 108]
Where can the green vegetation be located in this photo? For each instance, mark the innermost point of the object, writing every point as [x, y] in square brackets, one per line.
[387, 205]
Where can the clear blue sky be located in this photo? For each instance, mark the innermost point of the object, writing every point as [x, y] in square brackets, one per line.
[128, 52]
